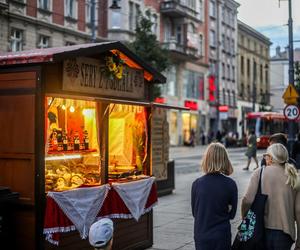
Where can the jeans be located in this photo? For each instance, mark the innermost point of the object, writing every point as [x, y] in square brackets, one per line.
[277, 240]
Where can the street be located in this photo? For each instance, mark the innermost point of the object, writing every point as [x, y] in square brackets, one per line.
[173, 221]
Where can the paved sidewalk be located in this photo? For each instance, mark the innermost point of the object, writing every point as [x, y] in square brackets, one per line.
[173, 221]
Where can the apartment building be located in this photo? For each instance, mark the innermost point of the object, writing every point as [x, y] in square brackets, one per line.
[27, 24]
[253, 72]
[222, 65]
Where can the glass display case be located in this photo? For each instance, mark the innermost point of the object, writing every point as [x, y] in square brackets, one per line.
[72, 148]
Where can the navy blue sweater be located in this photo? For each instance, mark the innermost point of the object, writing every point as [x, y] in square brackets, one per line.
[211, 196]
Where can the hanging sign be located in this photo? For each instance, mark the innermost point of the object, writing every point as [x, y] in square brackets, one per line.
[87, 75]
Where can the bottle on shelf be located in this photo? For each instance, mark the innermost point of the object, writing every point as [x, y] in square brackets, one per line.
[59, 140]
[76, 141]
[65, 140]
[54, 140]
[86, 140]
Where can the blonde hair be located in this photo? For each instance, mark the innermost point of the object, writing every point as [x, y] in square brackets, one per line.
[216, 160]
[280, 155]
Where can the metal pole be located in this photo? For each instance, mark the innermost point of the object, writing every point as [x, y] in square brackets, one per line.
[217, 78]
[254, 87]
[93, 26]
[291, 124]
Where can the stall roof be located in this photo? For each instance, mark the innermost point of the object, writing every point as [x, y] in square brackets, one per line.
[60, 53]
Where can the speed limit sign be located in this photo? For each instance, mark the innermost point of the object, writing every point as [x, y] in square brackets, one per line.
[291, 112]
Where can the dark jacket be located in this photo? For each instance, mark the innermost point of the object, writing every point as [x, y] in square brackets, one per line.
[212, 194]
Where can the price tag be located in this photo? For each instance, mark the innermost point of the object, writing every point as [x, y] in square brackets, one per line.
[291, 112]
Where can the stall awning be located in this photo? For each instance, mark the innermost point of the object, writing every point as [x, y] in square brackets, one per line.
[141, 103]
[50, 55]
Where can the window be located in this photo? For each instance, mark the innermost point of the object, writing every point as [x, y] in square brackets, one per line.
[134, 10]
[248, 67]
[171, 88]
[193, 85]
[200, 9]
[212, 38]
[16, 40]
[154, 20]
[233, 98]
[212, 9]
[261, 73]
[254, 71]
[167, 30]
[242, 65]
[223, 70]
[68, 43]
[200, 51]
[229, 97]
[233, 73]
[228, 72]
[179, 37]
[70, 8]
[242, 90]
[44, 4]
[43, 42]
[88, 13]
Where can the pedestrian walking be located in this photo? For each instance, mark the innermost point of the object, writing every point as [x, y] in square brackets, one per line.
[214, 201]
[280, 138]
[101, 234]
[281, 184]
[296, 152]
[251, 150]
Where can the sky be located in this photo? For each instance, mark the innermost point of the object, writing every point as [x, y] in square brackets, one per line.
[271, 20]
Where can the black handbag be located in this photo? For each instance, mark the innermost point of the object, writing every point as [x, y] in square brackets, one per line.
[251, 231]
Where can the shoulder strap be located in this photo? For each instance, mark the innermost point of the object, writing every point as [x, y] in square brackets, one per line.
[259, 182]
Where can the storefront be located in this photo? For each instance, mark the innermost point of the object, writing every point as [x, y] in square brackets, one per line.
[79, 144]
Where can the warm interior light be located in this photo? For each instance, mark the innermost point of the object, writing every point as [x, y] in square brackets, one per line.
[63, 107]
[88, 112]
[72, 109]
[62, 157]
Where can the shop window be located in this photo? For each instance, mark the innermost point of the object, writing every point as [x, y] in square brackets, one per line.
[128, 140]
[72, 148]
[16, 40]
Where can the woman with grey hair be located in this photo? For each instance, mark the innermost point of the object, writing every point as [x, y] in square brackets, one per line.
[214, 200]
[281, 183]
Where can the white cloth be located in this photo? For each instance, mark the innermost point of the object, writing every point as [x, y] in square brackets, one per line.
[81, 205]
[135, 195]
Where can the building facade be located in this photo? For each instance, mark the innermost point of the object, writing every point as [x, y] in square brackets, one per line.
[253, 73]
[28, 24]
[279, 76]
[222, 65]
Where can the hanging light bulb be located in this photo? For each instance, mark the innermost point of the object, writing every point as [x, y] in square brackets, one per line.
[72, 109]
[63, 107]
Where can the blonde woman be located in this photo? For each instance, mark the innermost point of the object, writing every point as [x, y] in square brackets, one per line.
[281, 183]
[214, 201]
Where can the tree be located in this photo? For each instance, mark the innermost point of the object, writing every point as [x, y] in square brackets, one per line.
[148, 48]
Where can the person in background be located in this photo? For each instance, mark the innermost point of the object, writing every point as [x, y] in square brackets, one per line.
[251, 150]
[214, 200]
[296, 152]
[281, 183]
[101, 234]
[278, 138]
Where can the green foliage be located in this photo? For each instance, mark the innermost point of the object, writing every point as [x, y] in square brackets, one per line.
[148, 48]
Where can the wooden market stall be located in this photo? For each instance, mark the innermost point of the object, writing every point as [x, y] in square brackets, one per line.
[80, 138]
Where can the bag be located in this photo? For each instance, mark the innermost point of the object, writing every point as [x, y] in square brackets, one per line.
[250, 235]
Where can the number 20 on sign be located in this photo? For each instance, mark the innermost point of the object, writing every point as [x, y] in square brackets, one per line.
[291, 112]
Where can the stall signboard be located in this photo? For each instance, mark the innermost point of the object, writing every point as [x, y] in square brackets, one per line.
[160, 144]
[87, 75]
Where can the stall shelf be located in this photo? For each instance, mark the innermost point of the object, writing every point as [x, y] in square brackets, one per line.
[78, 122]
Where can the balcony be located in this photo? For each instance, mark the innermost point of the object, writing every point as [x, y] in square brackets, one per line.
[181, 51]
[176, 9]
